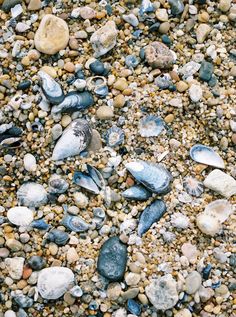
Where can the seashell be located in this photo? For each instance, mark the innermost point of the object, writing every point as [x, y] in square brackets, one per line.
[57, 185]
[85, 181]
[37, 126]
[53, 282]
[76, 291]
[146, 7]
[205, 155]
[220, 209]
[32, 195]
[153, 176]
[20, 216]
[131, 61]
[75, 139]
[23, 301]
[51, 89]
[10, 136]
[98, 84]
[96, 176]
[75, 223]
[179, 220]
[39, 224]
[137, 192]
[193, 186]
[150, 215]
[114, 136]
[57, 236]
[151, 126]
[99, 217]
[208, 224]
[30, 164]
[10, 142]
[74, 101]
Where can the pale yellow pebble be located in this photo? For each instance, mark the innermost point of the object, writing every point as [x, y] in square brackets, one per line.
[50, 71]
[65, 120]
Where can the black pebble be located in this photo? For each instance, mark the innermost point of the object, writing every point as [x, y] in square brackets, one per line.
[36, 262]
[97, 67]
[24, 85]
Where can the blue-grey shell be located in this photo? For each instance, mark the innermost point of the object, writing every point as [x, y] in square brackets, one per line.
[39, 224]
[75, 223]
[51, 89]
[153, 176]
[193, 186]
[151, 126]
[96, 176]
[137, 192]
[57, 185]
[206, 155]
[57, 236]
[74, 101]
[146, 7]
[131, 61]
[114, 136]
[150, 215]
[85, 181]
[10, 136]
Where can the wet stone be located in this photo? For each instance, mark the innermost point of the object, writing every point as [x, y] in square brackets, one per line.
[112, 259]
[206, 71]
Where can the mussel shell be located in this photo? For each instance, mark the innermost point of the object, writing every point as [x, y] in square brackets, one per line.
[96, 82]
[150, 215]
[74, 140]
[153, 176]
[32, 195]
[57, 185]
[74, 101]
[137, 192]
[96, 176]
[10, 142]
[205, 155]
[39, 224]
[51, 89]
[75, 223]
[85, 181]
[57, 236]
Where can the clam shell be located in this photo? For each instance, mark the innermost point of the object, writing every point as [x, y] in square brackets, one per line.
[20, 216]
[150, 215]
[221, 209]
[51, 89]
[74, 101]
[151, 126]
[74, 140]
[114, 136]
[137, 192]
[205, 155]
[39, 224]
[75, 223]
[53, 282]
[32, 195]
[153, 176]
[86, 182]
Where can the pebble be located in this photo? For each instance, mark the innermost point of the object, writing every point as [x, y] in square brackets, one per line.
[52, 35]
[34, 5]
[72, 255]
[104, 113]
[56, 131]
[131, 19]
[9, 313]
[193, 282]
[206, 71]
[224, 5]
[119, 101]
[36, 262]
[113, 291]
[30, 164]
[162, 15]
[15, 267]
[195, 93]
[158, 55]
[132, 279]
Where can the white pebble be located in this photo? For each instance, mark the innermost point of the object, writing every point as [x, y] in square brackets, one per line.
[30, 164]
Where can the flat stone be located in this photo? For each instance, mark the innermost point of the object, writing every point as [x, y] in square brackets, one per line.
[193, 282]
[221, 183]
[162, 292]
[104, 39]
[104, 113]
[112, 259]
[15, 267]
[206, 71]
[34, 5]
[158, 55]
[52, 35]
[202, 32]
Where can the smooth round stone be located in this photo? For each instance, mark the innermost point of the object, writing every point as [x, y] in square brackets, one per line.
[10, 313]
[132, 279]
[81, 200]
[97, 67]
[30, 164]
[112, 259]
[202, 32]
[20, 216]
[193, 282]
[104, 113]
[36, 262]
[53, 282]
[24, 85]
[52, 35]
[195, 93]
[34, 5]
[206, 71]
[56, 131]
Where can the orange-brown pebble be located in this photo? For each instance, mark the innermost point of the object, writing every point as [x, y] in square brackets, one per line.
[27, 271]
[25, 61]
[129, 181]
[73, 43]
[69, 67]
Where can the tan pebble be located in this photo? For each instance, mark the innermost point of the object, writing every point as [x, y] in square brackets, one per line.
[21, 284]
[50, 71]
[216, 310]
[174, 75]
[140, 257]
[34, 5]
[104, 113]
[34, 55]
[203, 17]
[65, 120]
[208, 308]
[164, 27]
[132, 279]
[222, 290]
[224, 5]
[234, 138]
[25, 61]
[121, 84]
[233, 71]
[113, 291]
[69, 67]
[162, 15]
[72, 256]
[169, 118]
[224, 143]
[119, 101]
[181, 86]
[73, 43]
[143, 299]
[69, 299]
[53, 248]
[202, 32]
[127, 92]
[134, 268]
[130, 293]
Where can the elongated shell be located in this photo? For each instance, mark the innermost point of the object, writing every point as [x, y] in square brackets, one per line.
[20, 216]
[153, 176]
[205, 155]
[75, 223]
[74, 140]
[86, 182]
[51, 89]
[32, 195]
[137, 192]
[96, 176]
[53, 282]
[74, 101]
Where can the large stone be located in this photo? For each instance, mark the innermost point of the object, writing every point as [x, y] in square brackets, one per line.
[221, 183]
[158, 55]
[52, 35]
[104, 39]
[15, 267]
[112, 259]
[162, 292]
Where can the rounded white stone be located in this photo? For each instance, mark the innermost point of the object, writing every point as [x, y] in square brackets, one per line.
[30, 163]
[20, 216]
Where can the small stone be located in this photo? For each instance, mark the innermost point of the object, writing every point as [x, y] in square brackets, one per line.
[119, 101]
[121, 84]
[221, 183]
[8, 4]
[195, 93]
[52, 35]
[22, 27]
[87, 13]
[164, 27]
[113, 291]
[202, 32]
[189, 251]
[49, 70]
[4, 252]
[193, 282]
[158, 55]
[81, 34]
[181, 86]
[30, 164]
[206, 71]
[183, 313]
[96, 142]
[36, 262]
[132, 279]
[121, 312]
[81, 200]
[131, 19]
[69, 67]
[14, 245]
[224, 5]
[130, 293]
[10, 313]
[34, 5]
[72, 256]
[162, 15]
[104, 39]
[56, 131]
[104, 113]
[162, 292]
[65, 120]
[208, 224]
[15, 267]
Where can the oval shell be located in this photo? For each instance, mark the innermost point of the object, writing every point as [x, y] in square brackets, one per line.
[205, 155]
[32, 195]
[20, 216]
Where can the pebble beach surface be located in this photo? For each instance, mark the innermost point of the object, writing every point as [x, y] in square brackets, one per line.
[117, 158]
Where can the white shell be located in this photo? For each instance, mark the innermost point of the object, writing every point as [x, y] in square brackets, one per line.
[205, 155]
[208, 224]
[20, 216]
[32, 195]
[30, 162]
[221, 209]
[53, 282]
